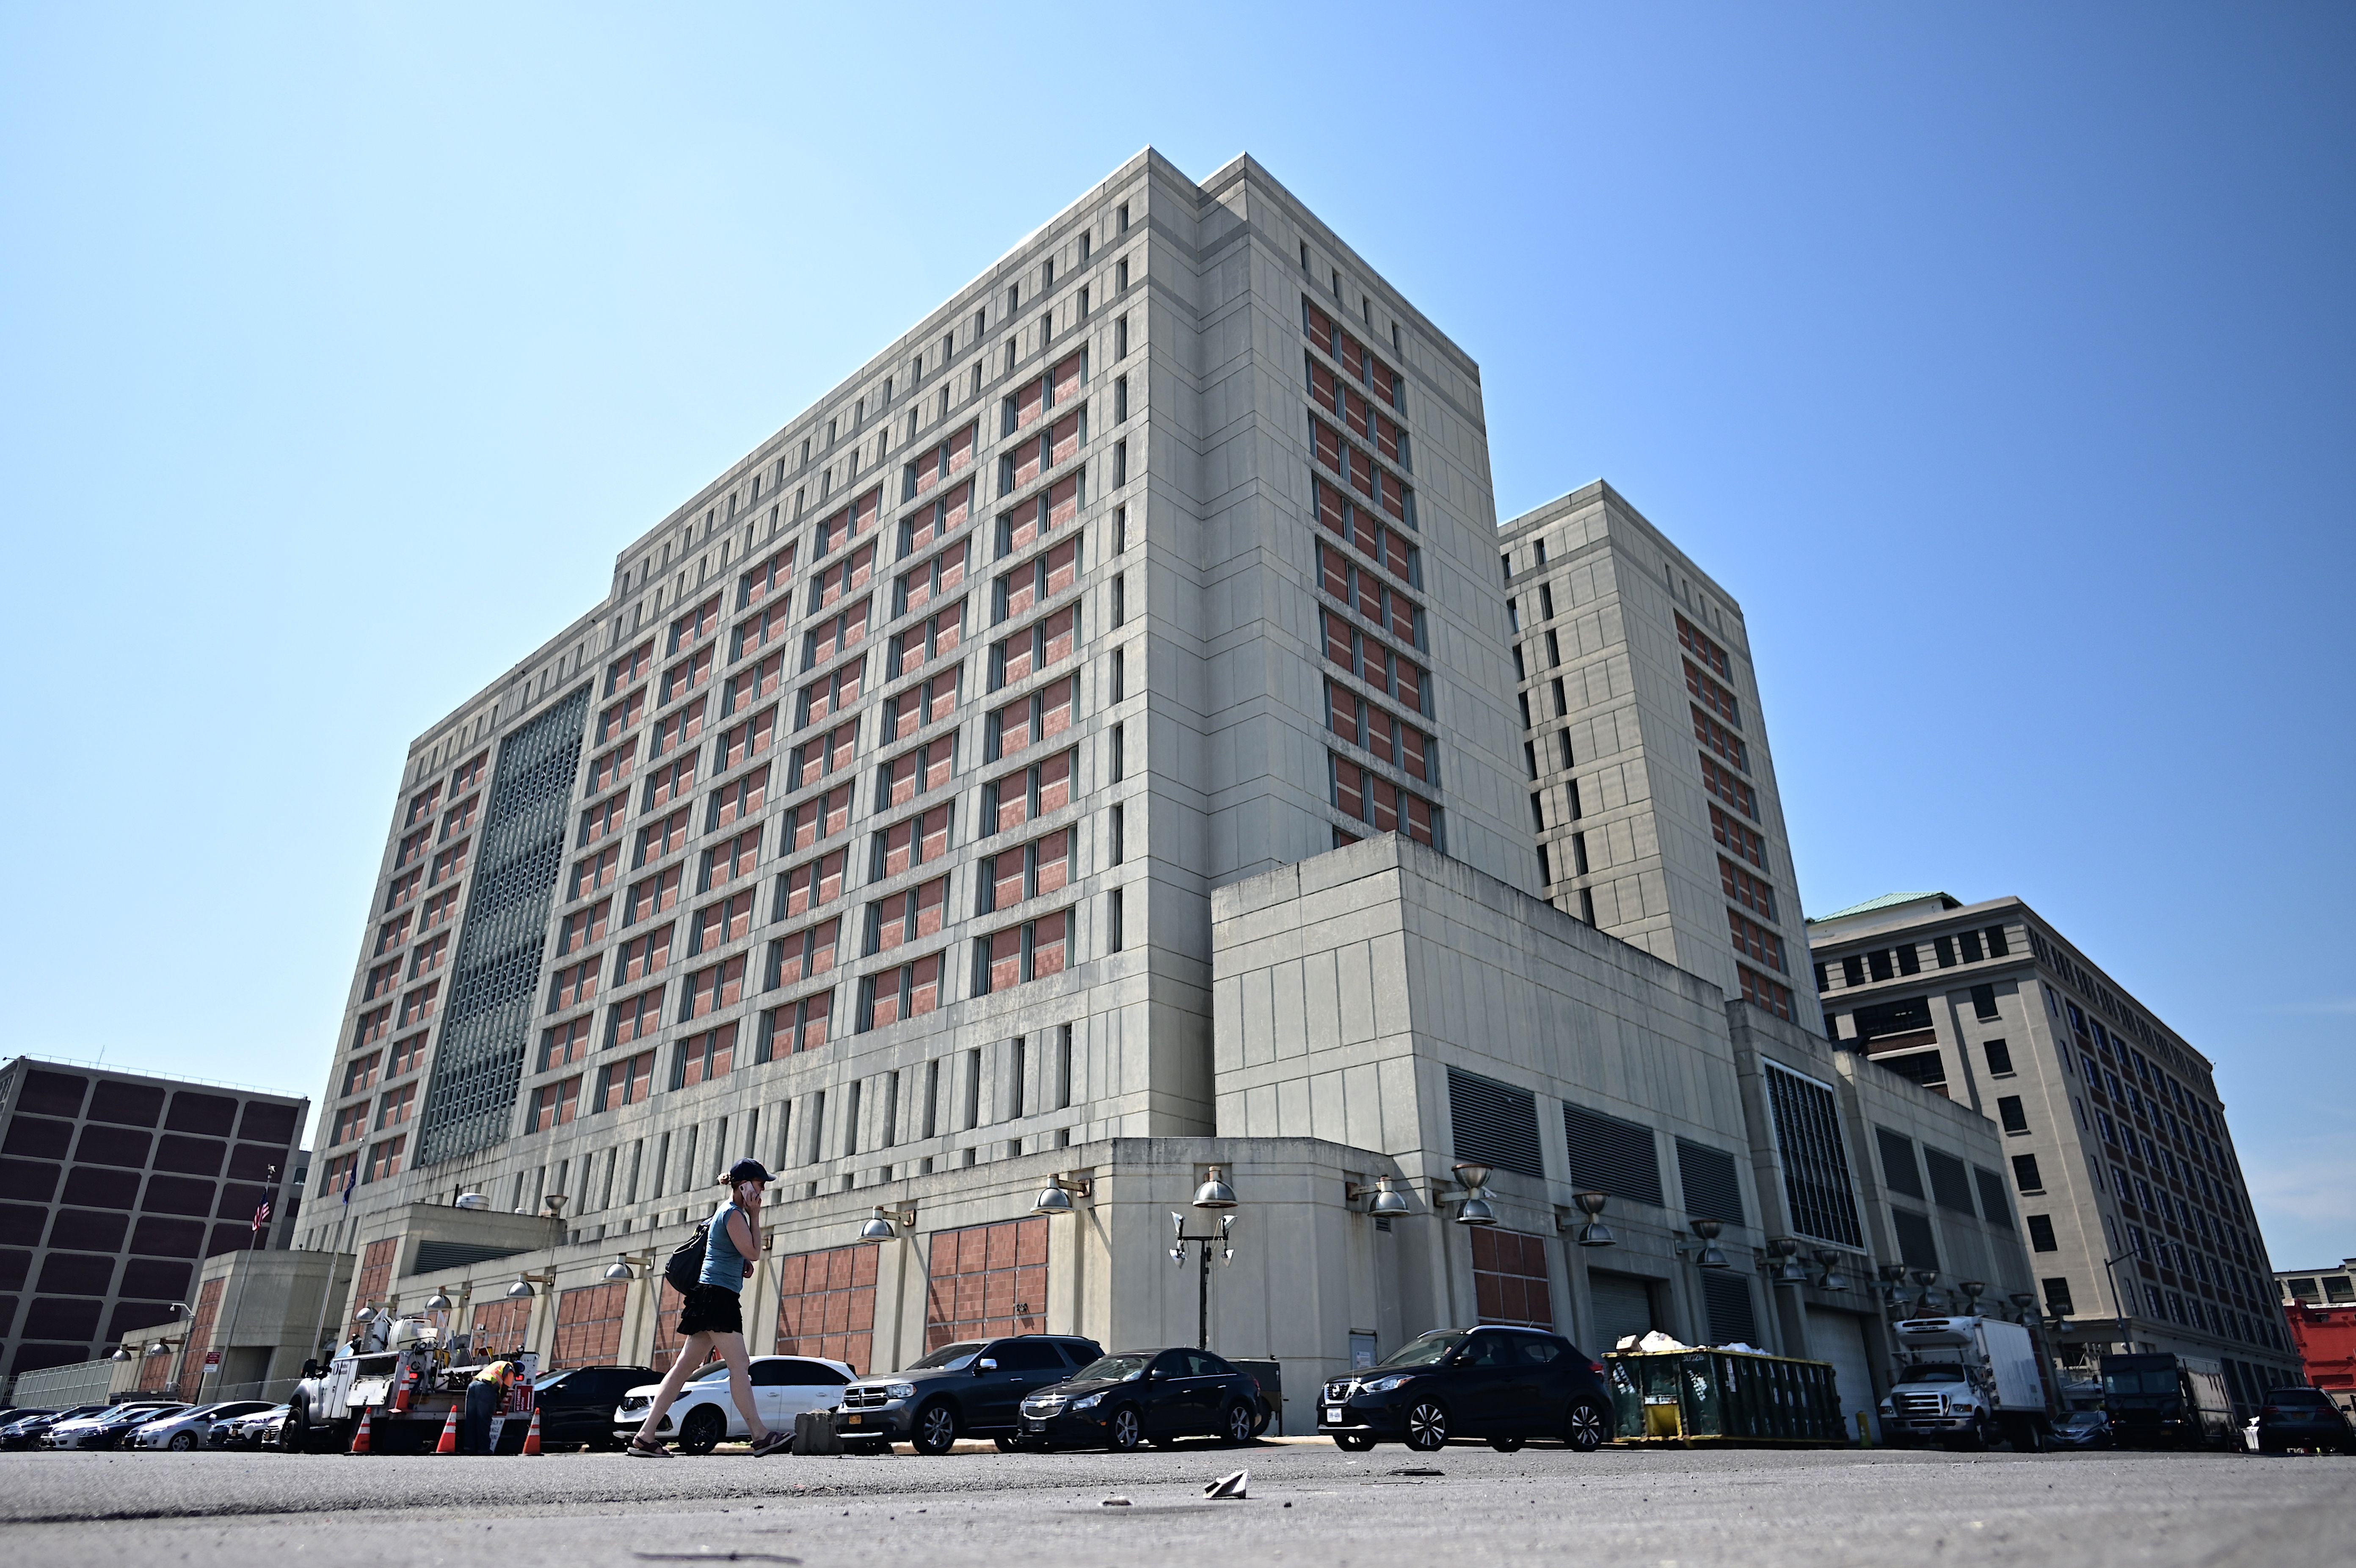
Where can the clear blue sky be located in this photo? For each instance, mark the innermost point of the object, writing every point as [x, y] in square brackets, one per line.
[1999, 361]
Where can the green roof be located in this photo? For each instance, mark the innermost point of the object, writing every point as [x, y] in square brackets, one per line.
[1887, 901]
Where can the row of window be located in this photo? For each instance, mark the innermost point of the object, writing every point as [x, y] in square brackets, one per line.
[1906, 958]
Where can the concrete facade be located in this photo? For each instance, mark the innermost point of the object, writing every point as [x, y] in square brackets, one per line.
[2115, 1142]
[1651, 786]
[114, 1185]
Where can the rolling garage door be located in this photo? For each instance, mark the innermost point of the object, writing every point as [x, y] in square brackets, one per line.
[1623, 1305]
[1840, 1338]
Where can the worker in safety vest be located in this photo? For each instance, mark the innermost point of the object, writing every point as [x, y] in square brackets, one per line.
[484, 1396]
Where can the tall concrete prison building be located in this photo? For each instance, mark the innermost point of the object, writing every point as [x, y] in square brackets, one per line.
[965, 792]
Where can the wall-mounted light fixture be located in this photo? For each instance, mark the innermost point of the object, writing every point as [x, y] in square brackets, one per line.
[1474, 1209]
[1056, 1197]
[886, 1224]
[1712, 1255]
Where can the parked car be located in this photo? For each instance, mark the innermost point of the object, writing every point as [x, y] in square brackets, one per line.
[577, 1405]
[971, 1389]
[109, 1427]
[223, 1431]
[703, 1415]
[2303, 1418]
[1144, 1396]
[1502, 1385]
[20, 1430]
[2082, 1429]
[184, 1430]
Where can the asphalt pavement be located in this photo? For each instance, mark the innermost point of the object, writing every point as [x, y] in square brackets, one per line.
[1307, 1503]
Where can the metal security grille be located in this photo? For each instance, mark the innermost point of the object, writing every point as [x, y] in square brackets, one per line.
[1899, 1172]
[1494, 1124]
[1815, 1164]
[1712, 1190]
[496, 972]
[1994, 1205]
[1950, 1189]
[1607, 1154]
[1725, 1295]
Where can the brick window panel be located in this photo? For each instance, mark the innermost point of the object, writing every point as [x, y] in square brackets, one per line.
[422, 805]
[676, 729]
[652, 895]
[1700, 646]
[822, 755]
[667, 784]
[1763, 992]
[746, 687]
[918, 770]
[764, 580]
[661, 838]
[384, 1158]
[1712, 696]
[1717, 738]
[427, 956]
[704, 1057]
[573, 984]
[847, 577]
[941, 462]
[909, 990]
[736, 799]
[1756, 942]
[945, 516]
[361, 1073]
[596, 872]
[928, 580]
[818, 818]
[634, 1018]
[718, 924]
[1015, 798]
[582, 927]
[1724, 784]
[795, 1027]
[589, 1326]
[630, 668]
[1509, 1279]
[803, 955]
[1372, 799]
[419, 1004]
[909, 916]
[725, 862]
[612, 766]
[937, 636]
[460, 818]
[499, 1326]
[1030, 951]
[564, 1044]
[804, 887]
[449, 864]
[709, 989]
[622, 715]
[746, 740]
[986, 1281]
[1750, 892]
[553, 1105]
[624, 1082]
[848, 523]
[396, 1106]
[1736, 836]
[826, 1305]
[696, 625]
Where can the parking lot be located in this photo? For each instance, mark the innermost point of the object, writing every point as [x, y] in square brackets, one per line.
[1309, 1502]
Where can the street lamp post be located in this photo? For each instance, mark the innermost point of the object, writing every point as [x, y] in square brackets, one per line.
[1213, 1196]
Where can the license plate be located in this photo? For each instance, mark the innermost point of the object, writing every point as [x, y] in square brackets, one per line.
[1035, 1425]
[1334, 1414]
[853, 1420]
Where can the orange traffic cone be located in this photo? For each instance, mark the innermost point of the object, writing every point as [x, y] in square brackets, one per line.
[448, 1442]
[532, 1433]
[360, 1438]
[401, 1395]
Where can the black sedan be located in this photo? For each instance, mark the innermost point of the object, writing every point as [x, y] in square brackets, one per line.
[1144, 1396]
[2082, 1429]
[577, 1405]
[2303, 1418]
[1504, 1386]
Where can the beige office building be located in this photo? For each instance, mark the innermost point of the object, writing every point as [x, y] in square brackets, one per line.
[2137, 1215]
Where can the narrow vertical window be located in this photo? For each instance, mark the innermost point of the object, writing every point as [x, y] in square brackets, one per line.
[1120, 463]
[1119, 530]
[1115, 834]
[1124, 217]
[1118, 731]
[1113, 941]
[1121, 337]
[1119, 674]
[1120, 600]
[1120, 399]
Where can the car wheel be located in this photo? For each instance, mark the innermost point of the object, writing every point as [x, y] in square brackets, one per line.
[1238, 1425]
[1426, 1427]
[1505, 1444]
[1353, 1442]
[1587, 1428]
[936, 1428]
[701, 1430]
[1125, 1430]
[182, 1442]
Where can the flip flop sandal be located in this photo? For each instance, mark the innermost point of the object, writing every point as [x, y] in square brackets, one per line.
[640, 1448]
[770, 1444]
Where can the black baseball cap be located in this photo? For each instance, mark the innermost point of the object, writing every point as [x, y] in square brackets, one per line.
[749, 1170]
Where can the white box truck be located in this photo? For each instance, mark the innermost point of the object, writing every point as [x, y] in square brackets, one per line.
[1966, 1382]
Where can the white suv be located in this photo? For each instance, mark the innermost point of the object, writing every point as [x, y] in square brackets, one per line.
[703, 1416]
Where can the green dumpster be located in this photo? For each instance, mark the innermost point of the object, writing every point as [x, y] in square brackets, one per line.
[1723, 1396]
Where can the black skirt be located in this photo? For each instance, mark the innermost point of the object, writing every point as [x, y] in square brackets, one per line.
[713, 1309]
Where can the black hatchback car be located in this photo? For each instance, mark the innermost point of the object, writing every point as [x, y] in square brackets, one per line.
[967, 1390]
[2303, 1418]
[1144, 1396]
[1502, 1385]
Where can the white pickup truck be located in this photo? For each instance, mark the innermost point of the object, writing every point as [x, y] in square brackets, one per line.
[1966, 1382]
[404, 1381]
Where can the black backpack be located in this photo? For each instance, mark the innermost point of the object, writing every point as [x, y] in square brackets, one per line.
[684, 1268]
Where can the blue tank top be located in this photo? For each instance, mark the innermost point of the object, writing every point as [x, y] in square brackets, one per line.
[724, 1265]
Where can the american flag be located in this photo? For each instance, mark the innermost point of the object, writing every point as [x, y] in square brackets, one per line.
[261, 1215]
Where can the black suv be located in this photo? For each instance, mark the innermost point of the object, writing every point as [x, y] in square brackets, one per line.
[2302, 1418]
[973, 1389]
[577, 1405]
[1156, 1396]
[1505, 1385]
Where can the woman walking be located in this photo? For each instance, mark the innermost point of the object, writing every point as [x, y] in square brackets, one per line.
[712, 1321]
